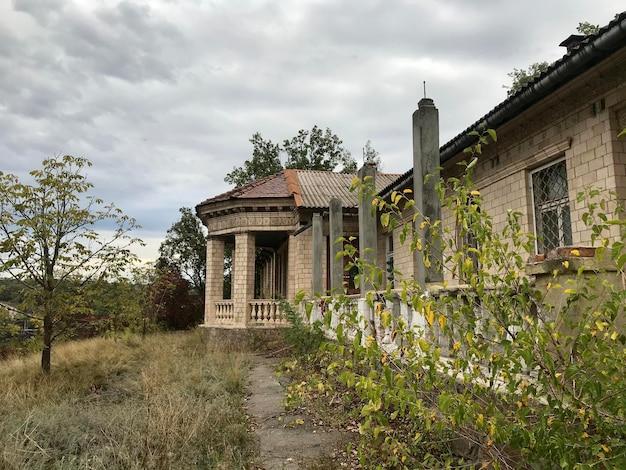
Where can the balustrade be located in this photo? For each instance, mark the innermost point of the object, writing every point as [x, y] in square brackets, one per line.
[267, 312]
[224, 311]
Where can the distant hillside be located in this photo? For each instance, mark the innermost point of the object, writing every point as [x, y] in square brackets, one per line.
[10, 292]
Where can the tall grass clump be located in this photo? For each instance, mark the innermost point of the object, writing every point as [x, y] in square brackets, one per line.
[169, 401]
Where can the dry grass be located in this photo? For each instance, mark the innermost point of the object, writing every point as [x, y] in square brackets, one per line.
[169, 401]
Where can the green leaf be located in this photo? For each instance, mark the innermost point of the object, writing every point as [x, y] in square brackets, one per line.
[384, 219]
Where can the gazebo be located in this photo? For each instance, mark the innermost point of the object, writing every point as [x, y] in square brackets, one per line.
[268, 226]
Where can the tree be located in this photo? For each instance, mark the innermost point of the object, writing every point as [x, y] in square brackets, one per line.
[265, 162]
[173, 301]
[119, 305]
[521, 77]
[316, 149]
[371, 155]
[586, 28]
[49, 242]
[184, 249]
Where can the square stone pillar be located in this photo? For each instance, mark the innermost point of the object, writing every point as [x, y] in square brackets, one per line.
[214, 290]
[368, 229]
[292, 259]
[243, 276]
[426, 163]
[317, 283]
[336, 231]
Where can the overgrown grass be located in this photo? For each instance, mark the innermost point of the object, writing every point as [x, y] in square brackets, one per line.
[168, 401]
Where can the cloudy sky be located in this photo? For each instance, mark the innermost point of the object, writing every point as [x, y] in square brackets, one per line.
[163, 96]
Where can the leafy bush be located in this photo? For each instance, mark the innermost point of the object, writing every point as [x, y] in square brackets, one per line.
[174, 304]
[303, 337]
[491, 373]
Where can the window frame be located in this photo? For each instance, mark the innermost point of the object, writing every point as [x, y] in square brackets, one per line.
[389, 256]
[530, 174]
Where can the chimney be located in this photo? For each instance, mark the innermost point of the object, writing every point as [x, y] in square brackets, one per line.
[572, 41]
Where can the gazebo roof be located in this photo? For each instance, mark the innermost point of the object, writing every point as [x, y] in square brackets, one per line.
[309, 188]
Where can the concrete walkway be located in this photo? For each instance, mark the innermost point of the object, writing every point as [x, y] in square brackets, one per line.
[284, 443]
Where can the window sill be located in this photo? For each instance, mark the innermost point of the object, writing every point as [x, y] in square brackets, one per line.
[584, 258]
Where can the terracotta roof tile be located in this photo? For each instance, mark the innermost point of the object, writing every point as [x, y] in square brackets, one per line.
[318, 187]
[273, 186]
[309, 188]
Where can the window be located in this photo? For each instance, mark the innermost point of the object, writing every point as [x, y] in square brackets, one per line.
[466, 238]
[389, 264]
[553, 225]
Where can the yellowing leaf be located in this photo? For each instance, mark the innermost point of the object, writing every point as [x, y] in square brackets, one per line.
[569, 291]
[385, 318]
[575, 252]
[424, 345]
[475, 193]
[456, 346]
[429, 314]
[565, 264]
[442, 321]
[480, 420]
[384, 219]
[614, 335]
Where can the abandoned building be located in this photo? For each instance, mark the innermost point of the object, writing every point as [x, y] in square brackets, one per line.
[556, 136]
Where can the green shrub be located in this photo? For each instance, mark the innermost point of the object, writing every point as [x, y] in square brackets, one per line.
[525, 383]
[303, 337]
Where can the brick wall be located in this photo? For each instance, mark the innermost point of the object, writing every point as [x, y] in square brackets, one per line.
[243, 275]
[301, 263]
[214, 286]
[578, 123]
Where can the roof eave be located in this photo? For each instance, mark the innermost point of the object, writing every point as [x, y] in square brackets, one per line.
[608, 40]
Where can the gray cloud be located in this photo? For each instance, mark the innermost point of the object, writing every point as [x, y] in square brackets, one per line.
[163, 96]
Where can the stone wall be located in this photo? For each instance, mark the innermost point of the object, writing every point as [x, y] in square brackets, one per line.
[251, 221]
[302, 267]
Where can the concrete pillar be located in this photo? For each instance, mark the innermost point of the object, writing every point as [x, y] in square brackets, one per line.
[214, 287]
[292, 259]
[336, 231]
[367, 222]
[317, 283]
[243, 277]
[426, 162]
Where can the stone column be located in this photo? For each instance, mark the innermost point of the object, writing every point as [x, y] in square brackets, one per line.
[368, 242]
[426, 162]
[336, 231]
[292, 257]
[243, 278]
[317, 283]
[214, 287]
